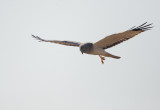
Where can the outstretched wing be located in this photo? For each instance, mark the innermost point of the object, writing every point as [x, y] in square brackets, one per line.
[68, 43]
[115, 39]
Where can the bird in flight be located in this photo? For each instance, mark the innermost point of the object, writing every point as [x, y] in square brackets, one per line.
[98, 48]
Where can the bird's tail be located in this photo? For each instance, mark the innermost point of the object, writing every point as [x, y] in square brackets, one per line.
[110, 55]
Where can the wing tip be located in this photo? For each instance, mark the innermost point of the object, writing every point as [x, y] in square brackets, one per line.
[37, 38]
[142, 27]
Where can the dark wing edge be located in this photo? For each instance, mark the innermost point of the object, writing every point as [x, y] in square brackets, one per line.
[140, 28]
[68, 43]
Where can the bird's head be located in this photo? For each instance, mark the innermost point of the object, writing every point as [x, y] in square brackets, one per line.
[86, 48]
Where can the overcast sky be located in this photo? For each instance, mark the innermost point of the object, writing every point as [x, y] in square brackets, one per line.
[43, 76]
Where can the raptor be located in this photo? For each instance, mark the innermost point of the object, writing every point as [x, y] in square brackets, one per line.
[98, 48]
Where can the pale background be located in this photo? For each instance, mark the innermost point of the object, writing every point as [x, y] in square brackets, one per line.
[45, 76]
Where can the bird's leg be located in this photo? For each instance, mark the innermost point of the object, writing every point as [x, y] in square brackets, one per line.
[102, 58]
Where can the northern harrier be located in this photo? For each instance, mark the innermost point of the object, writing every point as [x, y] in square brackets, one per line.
[99, 47]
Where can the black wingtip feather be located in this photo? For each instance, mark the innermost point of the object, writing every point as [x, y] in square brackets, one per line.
[142, 27]
[38, 38]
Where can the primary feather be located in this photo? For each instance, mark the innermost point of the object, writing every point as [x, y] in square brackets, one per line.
[115, 39]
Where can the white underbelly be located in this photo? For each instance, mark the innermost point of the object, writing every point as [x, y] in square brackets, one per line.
[97, 51]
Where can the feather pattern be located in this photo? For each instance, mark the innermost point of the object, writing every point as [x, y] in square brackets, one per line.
[115, 39]
[68, 43]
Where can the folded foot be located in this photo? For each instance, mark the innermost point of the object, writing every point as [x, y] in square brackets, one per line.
[102, 59]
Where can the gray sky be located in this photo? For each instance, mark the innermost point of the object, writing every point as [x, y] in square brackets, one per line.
[45, 76]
